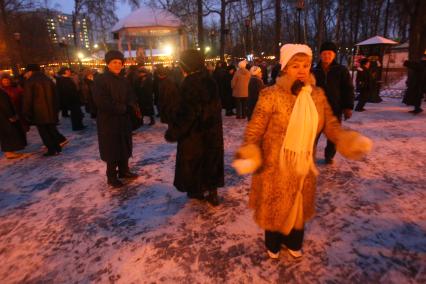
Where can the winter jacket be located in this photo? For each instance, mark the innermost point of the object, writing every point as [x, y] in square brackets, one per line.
[273, 191]
[416, 82]
[240, 83]
[41, 103]
[365, 83]
[337, 85]
[168, 100]
[255, 86]
[114, 101]
[67, 92]
[144, 89]
[198, 132]
[12, 135]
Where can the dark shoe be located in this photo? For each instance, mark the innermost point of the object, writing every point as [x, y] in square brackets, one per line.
[192, 195]
[79, 128]
[115, 182]
[63, 143]
[152, 121]
[360, 109]
[128, 175]
[329, 161]
[416, 111]
[50, 154]
[212, 197]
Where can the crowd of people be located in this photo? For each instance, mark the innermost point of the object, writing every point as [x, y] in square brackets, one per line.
[286, 112]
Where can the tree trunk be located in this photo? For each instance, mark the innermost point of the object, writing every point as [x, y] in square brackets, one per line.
[417, 33]
[385, 28]
[222, 29]
[200, 25]
[320, 29]
[277, 28]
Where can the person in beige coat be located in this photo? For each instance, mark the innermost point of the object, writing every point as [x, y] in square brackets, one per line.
[279, 149]
[240, 84]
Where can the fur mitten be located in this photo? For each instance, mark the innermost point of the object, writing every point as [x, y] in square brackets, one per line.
[247, 159]
[353, 145]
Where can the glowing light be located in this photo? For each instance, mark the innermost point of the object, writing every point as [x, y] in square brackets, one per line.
[168, 49]
[208, 48]
[96, 45]
[80, 55]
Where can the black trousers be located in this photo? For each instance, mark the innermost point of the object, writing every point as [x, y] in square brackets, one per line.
[76, 117]
[241, 106]
[362, 100]
[123, 167]
[293, 241]
[50, 136]
[330, 150]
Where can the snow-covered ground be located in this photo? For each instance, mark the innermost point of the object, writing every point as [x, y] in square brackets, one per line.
[60, 223]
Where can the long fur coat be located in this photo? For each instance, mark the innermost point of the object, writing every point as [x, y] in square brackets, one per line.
[273, 191]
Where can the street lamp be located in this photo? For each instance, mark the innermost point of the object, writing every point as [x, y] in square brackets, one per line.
[207, 49]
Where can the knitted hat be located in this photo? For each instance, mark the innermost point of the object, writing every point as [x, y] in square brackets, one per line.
[191, 60]
[328, 45]
[287, 51]
[32, 67]
[113, 54]
[255, 70]
[242, 64]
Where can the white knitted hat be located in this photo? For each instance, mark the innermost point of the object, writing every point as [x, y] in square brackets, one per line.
[255, 70]
[287, 51]
[242, 64]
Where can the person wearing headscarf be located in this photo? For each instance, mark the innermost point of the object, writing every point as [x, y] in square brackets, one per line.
[279, 148]
[239, 85]
[115, 102]
[255, 86]
[197, 129]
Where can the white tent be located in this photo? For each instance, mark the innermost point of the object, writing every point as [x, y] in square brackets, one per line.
[376, 40]
[145, 19]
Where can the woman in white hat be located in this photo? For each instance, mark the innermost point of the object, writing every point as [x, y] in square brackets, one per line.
[278, 149]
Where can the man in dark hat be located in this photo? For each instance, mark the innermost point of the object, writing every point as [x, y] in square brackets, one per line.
[337, 84]
[41, 108]
[115, 102]
[197, 128]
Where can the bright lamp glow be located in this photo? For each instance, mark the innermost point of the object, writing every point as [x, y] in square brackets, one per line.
[207, 48]
[168, 49]
[80, 55]
[96, 45]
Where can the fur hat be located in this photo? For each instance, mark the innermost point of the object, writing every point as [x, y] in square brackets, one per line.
[32, 67]
[191, 60]
[255, 70]
[242, 64]
[113, 54]
[328, 45]
[287, 51]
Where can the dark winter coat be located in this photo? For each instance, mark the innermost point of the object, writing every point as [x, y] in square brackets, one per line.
[228, 100]
[416, 83]
[365, 83]
[41, 103]
[198, 131]
[219, 77]
[87, 91]
[144, 88]
[168, 100]
[255, 86]
[67, 92]
[12, 135]
[337, 85]
[114, 102]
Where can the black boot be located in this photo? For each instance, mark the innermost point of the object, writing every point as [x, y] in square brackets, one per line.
[195, 195]
[128, 175]
[115, 182]
[212, 197]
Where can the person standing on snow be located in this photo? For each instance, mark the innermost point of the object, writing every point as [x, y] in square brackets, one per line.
[115, 101]
[197, 128]
[278, 148]
[365, 84]
[336, 82]
[255, 86]
[239, 85]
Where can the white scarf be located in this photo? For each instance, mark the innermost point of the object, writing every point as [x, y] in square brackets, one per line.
[297, 150]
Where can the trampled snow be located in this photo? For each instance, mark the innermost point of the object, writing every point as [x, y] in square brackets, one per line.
[60, 223]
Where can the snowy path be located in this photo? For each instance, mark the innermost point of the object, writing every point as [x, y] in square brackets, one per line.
[60, 224]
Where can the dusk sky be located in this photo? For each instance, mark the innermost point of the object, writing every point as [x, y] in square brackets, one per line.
[67, 7]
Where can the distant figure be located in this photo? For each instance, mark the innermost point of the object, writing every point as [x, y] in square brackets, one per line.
[228, 101]
[87, 93]
[12, 134]
[168, 98]
[337, 84]
[115, 101]
[198, 131]
[144, 91]
[239, 85]
[69, 97]
[416, 84]
[365, 84]
[275, 72]
[255, 86]
[41, 107]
